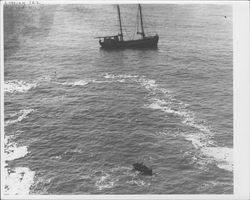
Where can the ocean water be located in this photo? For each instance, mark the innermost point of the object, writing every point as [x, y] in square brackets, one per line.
[77, 117]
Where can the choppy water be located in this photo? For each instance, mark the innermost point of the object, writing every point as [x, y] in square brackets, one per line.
[77, 117]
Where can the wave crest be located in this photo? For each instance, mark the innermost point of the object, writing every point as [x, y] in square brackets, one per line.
[20, 86]
[18, 181]
[104, 182]
[201, 139]
[22, 114]
[76, 83]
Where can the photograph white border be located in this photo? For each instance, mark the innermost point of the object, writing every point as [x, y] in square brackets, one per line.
[241, 102]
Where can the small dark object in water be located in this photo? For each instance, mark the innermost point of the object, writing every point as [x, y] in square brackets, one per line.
[143, 169]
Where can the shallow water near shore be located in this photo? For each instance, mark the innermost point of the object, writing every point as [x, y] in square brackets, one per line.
[77, 117]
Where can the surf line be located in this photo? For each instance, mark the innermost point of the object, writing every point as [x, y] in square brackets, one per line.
[200, 139]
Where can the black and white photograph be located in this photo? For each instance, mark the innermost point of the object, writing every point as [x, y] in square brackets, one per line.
[118, 98]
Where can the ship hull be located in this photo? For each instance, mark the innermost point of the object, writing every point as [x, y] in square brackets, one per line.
[145, 43]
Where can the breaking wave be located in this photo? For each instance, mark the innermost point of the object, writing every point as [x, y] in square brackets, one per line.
[223, 156]
[12, 151]
[20, 86]
[104, 182]
[18, 116]
[165, 106]
[118, 176]
[75, 83]
[201, 136]
[149, 84]
[124, 76]
[138, 182]
[17, 181]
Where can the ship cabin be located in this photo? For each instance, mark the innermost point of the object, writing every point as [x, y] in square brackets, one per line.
[110, 39]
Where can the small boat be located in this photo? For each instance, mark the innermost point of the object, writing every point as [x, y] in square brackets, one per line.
[143, 169]
[117, 41]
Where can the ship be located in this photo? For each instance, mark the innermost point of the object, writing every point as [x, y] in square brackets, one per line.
[117, 41]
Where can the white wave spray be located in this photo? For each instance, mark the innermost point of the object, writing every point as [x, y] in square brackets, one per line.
[17, 181]
[22, 114]
[20, 86]
[201, 139]
[75, 83]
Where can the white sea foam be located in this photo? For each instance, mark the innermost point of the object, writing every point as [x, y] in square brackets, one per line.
[104, 182]
[166, 107]
[171, 105]
[128, 76]
[109, 76]
[201, 140]
[190, 121]
[149, 84]
[121, 76]
[76, 83]
[138, 182]
[196, 140]
[210, 152]
[22, 114]
[222, 155]
[15, 152]
[18, 181]
[12, 151]
[13, 86]
[40, 185]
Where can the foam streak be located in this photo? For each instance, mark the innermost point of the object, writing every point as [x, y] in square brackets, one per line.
[18, 86]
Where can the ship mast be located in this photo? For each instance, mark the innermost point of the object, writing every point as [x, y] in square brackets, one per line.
[120, 23]
[142, 29]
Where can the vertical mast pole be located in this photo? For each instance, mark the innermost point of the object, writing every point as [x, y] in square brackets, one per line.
[120, 22]
[142, 29]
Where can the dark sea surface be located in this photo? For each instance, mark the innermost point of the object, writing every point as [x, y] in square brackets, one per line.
[77, 117]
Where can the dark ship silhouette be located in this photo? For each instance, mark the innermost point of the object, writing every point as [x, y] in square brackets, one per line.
[117, 41]
[143, 169]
